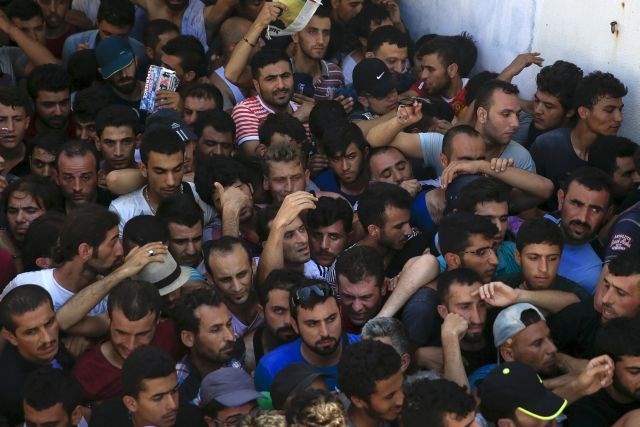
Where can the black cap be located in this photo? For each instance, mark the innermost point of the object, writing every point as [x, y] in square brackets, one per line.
[454, 188]
[371, 75]
[515, 386]
[291, 379]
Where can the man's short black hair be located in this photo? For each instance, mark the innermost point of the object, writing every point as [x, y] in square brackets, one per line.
[325, 114]
[23, 10]
[119, 13]
[212, 169]
[482, 190]
[21, 300]
[190, 51]
[428, 402]
[371, 13]
[536, 231]
[358, 263]
[282, 279]
[457, 228]
[460, 276]
[447, 141]
[204, 91]
[626, 264]
[314, 298]
[160, 140]
[77, 148]
[337, 139]
[223, 245]
[135, 298]
[467, 53]
[48, 386]
[12, 96]
[595, 86]
[180, 209]
[375, 200]
[328, 211]
[607, 149]
[155, 28]
[591, 178]
[267, 57]
[365, 363]
[618, 338]
[283, 123]
[144, 363]
[219, 120]
[388, 34]
[117, 116]
[486, 91]
[49, 78]
[89, 102]
[560, 80]
[184, 314]
[446, 47]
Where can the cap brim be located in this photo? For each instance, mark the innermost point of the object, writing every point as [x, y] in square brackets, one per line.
[119, 64]
[546, 408]
[183, 278]
[237, 398]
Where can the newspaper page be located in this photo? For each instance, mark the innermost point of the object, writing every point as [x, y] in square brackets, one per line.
[294, 19]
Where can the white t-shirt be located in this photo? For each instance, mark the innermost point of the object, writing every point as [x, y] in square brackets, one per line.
[45, 279]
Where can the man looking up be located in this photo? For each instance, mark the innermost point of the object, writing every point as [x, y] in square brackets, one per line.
[317, 320]
[370, 375]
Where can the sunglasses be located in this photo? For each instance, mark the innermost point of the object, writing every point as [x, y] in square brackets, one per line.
[305, 293]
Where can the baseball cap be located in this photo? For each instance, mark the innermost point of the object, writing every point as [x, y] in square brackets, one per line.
[516, 386]
[454, 188]
[509, 322]
[230, 387]
[371, 75]
[168, 118]
[113, 54]
[291, 379]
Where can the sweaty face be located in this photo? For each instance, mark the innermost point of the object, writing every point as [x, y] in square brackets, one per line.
[390, 166]
[296, 243]
[277, 315]
[437, 81]
[125, 80]
[164, 173]
[583, 212]
[22, 210]
[348, 165]
[604, 117]
[320, 327]
[13, 125]
[385, 403]
[500, 122]
[396, 230]
[395, 57]
[43, 163]
[533, 346]
[215, 338]
[626, 378]
[480, 256]
[462, 301]
[36, 334]
[213, 142]
[78, 178]
[53, 108]
[548, 112]
[34, 28]
[284, 178]
[117, 145]
[128, 335]
[54, 12]
[359, 301]
[185, 243]
[275, 85]
[539, 262]
[618, 296]
[192, 106]
[156, 403]
[109, 253]
[498, 213]
[232, 274]
[327, 243]
[313, 40]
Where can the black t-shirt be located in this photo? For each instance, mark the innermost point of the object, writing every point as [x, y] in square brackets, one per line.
[574, 329]
[113, 413]
[597, 410]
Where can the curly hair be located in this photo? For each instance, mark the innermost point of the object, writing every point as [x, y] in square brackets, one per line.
[315, 408]
[560, 80]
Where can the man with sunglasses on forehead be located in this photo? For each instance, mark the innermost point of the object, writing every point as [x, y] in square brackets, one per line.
[316, 318]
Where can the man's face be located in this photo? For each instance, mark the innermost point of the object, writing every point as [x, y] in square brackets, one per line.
[275, 84]
[156, 403]
[348, 165]
[327, 243]
[117, 145]
[164, 173]
[246, 213]
[320, 327]
[34, 28]
[395, 57]
[232, 274]
[434, 75]
[78, 178]
[390, 166]
[394, 234]
[539, 263]
[385, 403]
[215, 338]
[380, 106]
[174, 63]
[313, 40]
[277, 315]
[465, 303]
[604, 117]
[452, 419]
[480, 256]
[583, 212]
[85, 131]
[185, 243]
[230, 416]
[124, 81]
[213, 142]
[22, 210]
[53, 108]
[533, 346]
[295, 244]
[498, 213]
[128, 335]
[109, 253]
[106, 30]
[54, 416]
[346, 9]
[548, 112]
[36, 334]
[54, 12]
[284, 178]
[359, 301]
[156, 53]
[618, 296]
[43, 163]
[500, 122]
[626, 377]
[465, 148]
[623, 176]
[192, 106]
[176, 5]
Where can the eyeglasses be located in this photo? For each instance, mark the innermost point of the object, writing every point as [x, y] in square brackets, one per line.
[232, 421]
[482, 252]
[305, 293]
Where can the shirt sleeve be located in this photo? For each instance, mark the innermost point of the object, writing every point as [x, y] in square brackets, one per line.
[247, 124]
[431, 144]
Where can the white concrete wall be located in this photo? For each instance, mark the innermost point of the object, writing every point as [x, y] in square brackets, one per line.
[574, 30]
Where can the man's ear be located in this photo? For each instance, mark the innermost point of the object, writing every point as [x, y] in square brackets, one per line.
[143, 169]
[482, 114]
[560, 198]
[43, 263]
[505, 422]
[453, 260]
[443, 160]
[256, 85]
[442, 310]
[405, 361]
[295, 38]
[369, 55]
[359, 403]
[518, 257]
[583, 113]
[364, 101]
[9, 336]
[452, 70]
[85, 251]
[265, 183]
[76, 415]
[506, 353]
[307, 177]
[190, 76]
[187, 338]
[294, 325]
[570, 113]
[130, 403]
[149, 52]
[373, 231]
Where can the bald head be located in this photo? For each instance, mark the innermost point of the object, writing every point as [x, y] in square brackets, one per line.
[232, 31]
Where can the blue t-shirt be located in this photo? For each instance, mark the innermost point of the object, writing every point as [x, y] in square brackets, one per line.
[272, 362]
[328, 181]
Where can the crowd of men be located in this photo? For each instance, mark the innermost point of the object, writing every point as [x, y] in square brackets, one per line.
[348, 226]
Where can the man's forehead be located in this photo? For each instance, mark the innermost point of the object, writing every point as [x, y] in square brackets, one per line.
[275, 69]
[577, 190]
[284, 168]
[461, 292]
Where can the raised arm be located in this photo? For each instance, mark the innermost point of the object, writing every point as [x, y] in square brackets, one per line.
[453, 329]
[216, 13]
[500, 295]
[232, 201]
[389, 132]
[34, 51]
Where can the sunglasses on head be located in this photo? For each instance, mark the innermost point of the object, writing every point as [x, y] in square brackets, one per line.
[304, 294]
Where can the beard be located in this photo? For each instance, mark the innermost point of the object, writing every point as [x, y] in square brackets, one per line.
[126, 86]
[622, 389]
[324, 350]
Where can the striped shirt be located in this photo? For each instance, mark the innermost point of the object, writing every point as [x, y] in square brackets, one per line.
[249, 115]
[330, 82]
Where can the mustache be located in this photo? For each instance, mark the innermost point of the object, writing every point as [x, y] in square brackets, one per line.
[580, 223]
